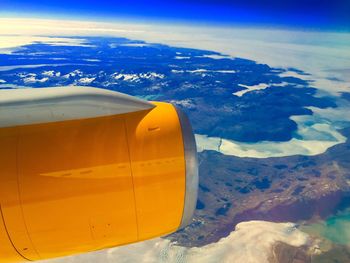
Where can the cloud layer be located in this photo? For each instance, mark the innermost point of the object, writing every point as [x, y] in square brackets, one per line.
[251, 242]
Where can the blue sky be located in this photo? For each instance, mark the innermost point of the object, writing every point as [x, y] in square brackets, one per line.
[308, 14]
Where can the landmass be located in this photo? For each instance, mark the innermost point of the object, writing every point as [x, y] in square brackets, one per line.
[279, 189]
[225, 97]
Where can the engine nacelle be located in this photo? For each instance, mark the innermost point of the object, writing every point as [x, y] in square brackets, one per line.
[74, 186]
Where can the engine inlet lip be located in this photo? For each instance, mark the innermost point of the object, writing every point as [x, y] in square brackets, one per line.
[191, 166]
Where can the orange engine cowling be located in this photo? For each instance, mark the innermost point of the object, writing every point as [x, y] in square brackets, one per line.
[74, 186]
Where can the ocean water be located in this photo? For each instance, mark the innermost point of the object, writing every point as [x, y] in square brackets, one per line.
[336, 228]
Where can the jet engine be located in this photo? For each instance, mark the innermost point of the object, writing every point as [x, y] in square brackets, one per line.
[82, 169]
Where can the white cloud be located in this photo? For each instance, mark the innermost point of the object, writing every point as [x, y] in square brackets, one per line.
[215, 56]
[86, 80]
[137, 76]
[51, 73]
[6, 68]
[250, 88]
[126, 77]
[251, 242]
[13, 42]
[202, 70]
[114, 45]
[177, 71]
[32, 78]
[92, 60]
[181, 57]
[152, 75]
[259, 86]
[73, 74]
[226, 71]
[187, 103]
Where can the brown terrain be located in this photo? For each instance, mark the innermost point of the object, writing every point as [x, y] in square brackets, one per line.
[280, 189]
[284, 253]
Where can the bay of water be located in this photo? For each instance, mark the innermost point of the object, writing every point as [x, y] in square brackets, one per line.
[336, 228]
